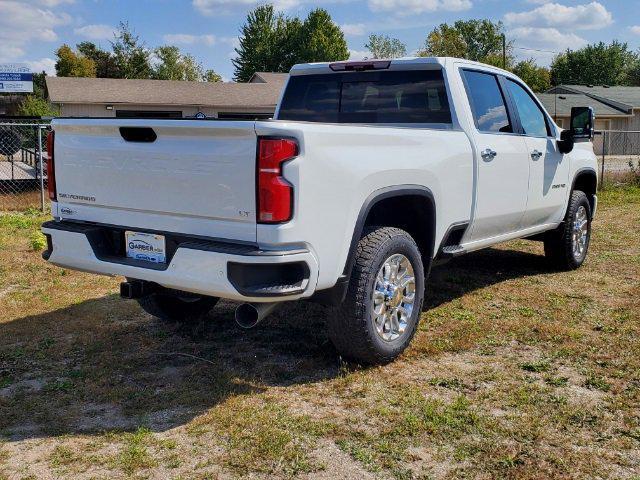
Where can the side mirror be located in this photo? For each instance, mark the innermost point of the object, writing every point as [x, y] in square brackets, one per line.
[566, 142]
[582, 123]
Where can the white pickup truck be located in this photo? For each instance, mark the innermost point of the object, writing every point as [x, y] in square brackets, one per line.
[368, 174]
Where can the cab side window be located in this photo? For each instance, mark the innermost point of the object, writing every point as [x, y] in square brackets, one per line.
[487, 102]
[532, 118]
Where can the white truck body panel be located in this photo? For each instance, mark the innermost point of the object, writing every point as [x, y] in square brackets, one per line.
[337, 170]
[193, 179]
[199, 179]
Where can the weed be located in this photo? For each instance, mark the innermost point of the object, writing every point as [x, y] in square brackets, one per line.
[134, 454]
[536, 367]
[598, 383]
[37, 241]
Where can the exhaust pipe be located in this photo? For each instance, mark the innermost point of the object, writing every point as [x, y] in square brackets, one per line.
[248, 315]
[133, 289]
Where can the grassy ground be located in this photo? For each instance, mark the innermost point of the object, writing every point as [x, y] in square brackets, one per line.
[516, 372]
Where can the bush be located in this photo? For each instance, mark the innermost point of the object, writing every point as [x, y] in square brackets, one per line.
[37, 241]
[635, 172]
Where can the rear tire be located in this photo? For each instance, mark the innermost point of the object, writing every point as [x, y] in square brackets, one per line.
[177, 306]
[382, 308]
[567, 246]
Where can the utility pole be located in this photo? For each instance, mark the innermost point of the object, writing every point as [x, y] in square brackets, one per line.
[504, 51]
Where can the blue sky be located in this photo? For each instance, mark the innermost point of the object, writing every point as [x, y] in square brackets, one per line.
[31, 30]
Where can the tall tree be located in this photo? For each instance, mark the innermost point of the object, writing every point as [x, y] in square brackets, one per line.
[40, 84]
[538, 78]
[595, 64]
[106, 65]
[72, 64]
[382, 46]
[257, 42]
[271, 42]
[322, 39]
[478, 40]
[173, 65]
[131, 55]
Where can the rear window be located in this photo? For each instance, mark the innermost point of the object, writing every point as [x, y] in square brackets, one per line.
[416, 96]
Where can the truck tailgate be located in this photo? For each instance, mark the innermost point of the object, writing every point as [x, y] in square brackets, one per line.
[196, 177]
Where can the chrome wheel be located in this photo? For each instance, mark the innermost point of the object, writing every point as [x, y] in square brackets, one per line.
[580, 233]
[394, 293]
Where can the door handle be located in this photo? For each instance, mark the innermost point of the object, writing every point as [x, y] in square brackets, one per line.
[536, 154]
[488, 154]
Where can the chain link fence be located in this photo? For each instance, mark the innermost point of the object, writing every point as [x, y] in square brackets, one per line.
[618, 156]
[23, 164]
[23, 161]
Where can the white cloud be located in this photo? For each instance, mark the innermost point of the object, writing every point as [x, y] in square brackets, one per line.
[359, 54]
[635, 29]
[355, 29]
[205, 39]
[46, 64]
[22, 24]
[214, 7]
[543, 43]
[589, 16]
[188, 39]
[54, 3]
[96, 32]
[412, 7]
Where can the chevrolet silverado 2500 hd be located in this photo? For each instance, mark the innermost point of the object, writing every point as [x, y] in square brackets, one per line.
[368, 174]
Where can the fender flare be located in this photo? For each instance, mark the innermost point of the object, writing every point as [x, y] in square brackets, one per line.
[582, 170]
[371, 201]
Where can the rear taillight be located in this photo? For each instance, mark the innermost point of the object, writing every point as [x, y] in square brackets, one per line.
[51, 175]
[275, 194]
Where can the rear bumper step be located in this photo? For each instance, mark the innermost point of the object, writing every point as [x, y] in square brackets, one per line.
[211, 267]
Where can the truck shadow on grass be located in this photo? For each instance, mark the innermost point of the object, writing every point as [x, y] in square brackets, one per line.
[103, 364]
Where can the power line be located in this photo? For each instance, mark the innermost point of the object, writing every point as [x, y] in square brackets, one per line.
[535, 49]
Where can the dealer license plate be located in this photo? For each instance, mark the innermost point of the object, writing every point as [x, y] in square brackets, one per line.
[145, 246]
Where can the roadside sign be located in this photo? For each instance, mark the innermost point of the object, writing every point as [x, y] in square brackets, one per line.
[15, 78]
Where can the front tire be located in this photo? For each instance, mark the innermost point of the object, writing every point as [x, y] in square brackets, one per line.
[381, 311]
[566, 247]
[177, 306]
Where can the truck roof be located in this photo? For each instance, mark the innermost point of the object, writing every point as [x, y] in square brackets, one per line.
[404, 63]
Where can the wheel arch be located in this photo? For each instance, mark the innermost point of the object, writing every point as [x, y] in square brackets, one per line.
[420, 202]
[586, 180]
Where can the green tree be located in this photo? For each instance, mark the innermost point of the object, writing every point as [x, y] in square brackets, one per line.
[40, 84]
[34, 106]
[322, 39]
[257, 43]
[72, 64]
[478, 40]
[595, 64]
[538, 78]
[634, 73]
[271, 42]
[382, 46]
[211, 76]
[106, 65]
[131, 55]
[173, 65]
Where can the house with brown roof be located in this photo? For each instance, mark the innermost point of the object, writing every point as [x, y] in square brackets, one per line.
[617, 109]
[125, 98]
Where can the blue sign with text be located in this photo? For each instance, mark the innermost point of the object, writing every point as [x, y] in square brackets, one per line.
[15, 78]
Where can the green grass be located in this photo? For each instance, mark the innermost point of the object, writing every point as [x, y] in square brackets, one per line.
[134, 453]
[516, 371]
[263, 437]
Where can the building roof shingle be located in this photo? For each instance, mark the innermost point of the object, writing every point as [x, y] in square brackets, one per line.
[560, 104]
[622, 98]
[166, 92]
